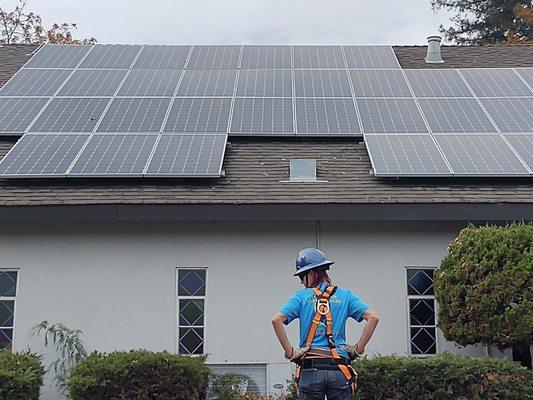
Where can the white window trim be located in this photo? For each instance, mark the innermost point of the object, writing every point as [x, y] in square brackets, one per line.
[408, 319]
[14, 299]
[177, 311]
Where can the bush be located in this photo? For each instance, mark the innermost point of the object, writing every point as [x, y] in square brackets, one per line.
[139, 375]
[21, 375]
[442, 377]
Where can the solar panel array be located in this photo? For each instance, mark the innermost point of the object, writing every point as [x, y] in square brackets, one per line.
[124, 96]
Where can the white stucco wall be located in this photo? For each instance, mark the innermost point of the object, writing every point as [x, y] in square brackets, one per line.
[116, 282]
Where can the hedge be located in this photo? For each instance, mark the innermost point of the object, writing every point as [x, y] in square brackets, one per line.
[442, 377]
[21, 375]
[139, 375]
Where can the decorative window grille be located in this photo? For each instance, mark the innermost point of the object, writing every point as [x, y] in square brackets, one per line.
[422, 311]
[191, 286]
[8, 291]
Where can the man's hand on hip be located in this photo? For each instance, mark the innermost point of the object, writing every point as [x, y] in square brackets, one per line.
[354, 351]
[296, 354]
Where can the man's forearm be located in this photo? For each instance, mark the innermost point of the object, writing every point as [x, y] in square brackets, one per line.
[279, 329]
[368, 331]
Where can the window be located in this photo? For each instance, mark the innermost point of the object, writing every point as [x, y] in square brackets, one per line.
[191, 285]
[256, 381]
[8, 291]
[422, 311]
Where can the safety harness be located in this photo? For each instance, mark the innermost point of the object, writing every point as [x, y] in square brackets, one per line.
[323, 311]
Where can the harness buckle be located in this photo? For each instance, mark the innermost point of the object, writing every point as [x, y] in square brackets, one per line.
[322, 306]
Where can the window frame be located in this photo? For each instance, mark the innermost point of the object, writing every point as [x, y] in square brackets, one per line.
[179, 297]
[409, 297]
[14, 299]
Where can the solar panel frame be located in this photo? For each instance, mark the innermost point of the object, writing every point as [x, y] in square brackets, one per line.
[150, 83]
[390, 115]
[104, 156]
[480, 155]
[317, 57]
[523, 146]
[264, 83]
[326, 117]
[203, 119]
[379, 83]
[138, 115]
[29, 159]
[461, 115]
[266, 57]
[11, 108]
[527, 75]
[35, 82]
[392, 155]
[513, 114]
[437, 83]
[207, 83]
[371, 57]
[262, 116]
[321, 83]
[61, 115]
[214, 57]
[167, 152]
[101, 57]
[92, 82]
[56, 56]
[156, 57]
[495, 82]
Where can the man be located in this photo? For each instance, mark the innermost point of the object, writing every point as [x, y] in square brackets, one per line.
[324, 354]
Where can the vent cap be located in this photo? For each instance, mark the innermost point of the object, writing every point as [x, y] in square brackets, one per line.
[303, 170]
[434, 55]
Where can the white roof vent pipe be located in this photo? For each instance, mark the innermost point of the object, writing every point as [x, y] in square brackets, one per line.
[434, 56]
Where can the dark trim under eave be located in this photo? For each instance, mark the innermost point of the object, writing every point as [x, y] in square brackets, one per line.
[268, 212]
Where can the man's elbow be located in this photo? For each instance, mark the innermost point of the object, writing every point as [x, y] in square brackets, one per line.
[278, 319]
[371, 316]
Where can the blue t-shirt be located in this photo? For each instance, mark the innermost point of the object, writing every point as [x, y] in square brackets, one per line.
[343, 304]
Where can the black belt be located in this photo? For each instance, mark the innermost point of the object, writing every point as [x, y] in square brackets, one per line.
[324, 363]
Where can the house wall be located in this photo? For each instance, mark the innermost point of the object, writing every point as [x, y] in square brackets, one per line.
[116, 282]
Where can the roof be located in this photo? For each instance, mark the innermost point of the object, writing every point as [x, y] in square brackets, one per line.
[255, 169]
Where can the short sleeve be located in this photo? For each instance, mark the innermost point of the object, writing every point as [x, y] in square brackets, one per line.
[291, 309]
[356, 307]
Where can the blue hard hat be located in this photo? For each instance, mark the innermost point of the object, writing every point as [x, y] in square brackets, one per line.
[310, 259]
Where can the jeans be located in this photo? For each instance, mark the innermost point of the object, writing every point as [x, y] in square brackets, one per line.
[315, 383]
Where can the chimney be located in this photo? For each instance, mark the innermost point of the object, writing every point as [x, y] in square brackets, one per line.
[433, 56]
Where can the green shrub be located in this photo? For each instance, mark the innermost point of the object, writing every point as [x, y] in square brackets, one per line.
[442, 377]
[225, 386]
[139, 375]
[21, 375]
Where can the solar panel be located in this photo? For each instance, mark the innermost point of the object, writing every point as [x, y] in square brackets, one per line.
[135, 115]
[322, 83]
[150, 83]
[318, 57]
[512, 114]
[405, 155]
[70, 115]
[16, 114]
[326, 116]
[455, 116]
[208, 83]
[437, 83]
[371, 57]
[93, 82]
[523, 145]
[58, 56]
[527, 75]
[481, 155]
[162, 57]
[114, 155]
[194, 115]
[262, 115]
[390, 116]
[188, 156]
[35, 82]
[495, 82]
[370, 83]
[111, 56]
[214, 57]
[41, 155]
[267, 57]
[264, 83]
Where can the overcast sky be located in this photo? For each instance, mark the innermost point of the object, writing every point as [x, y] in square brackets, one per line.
[245, 21]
